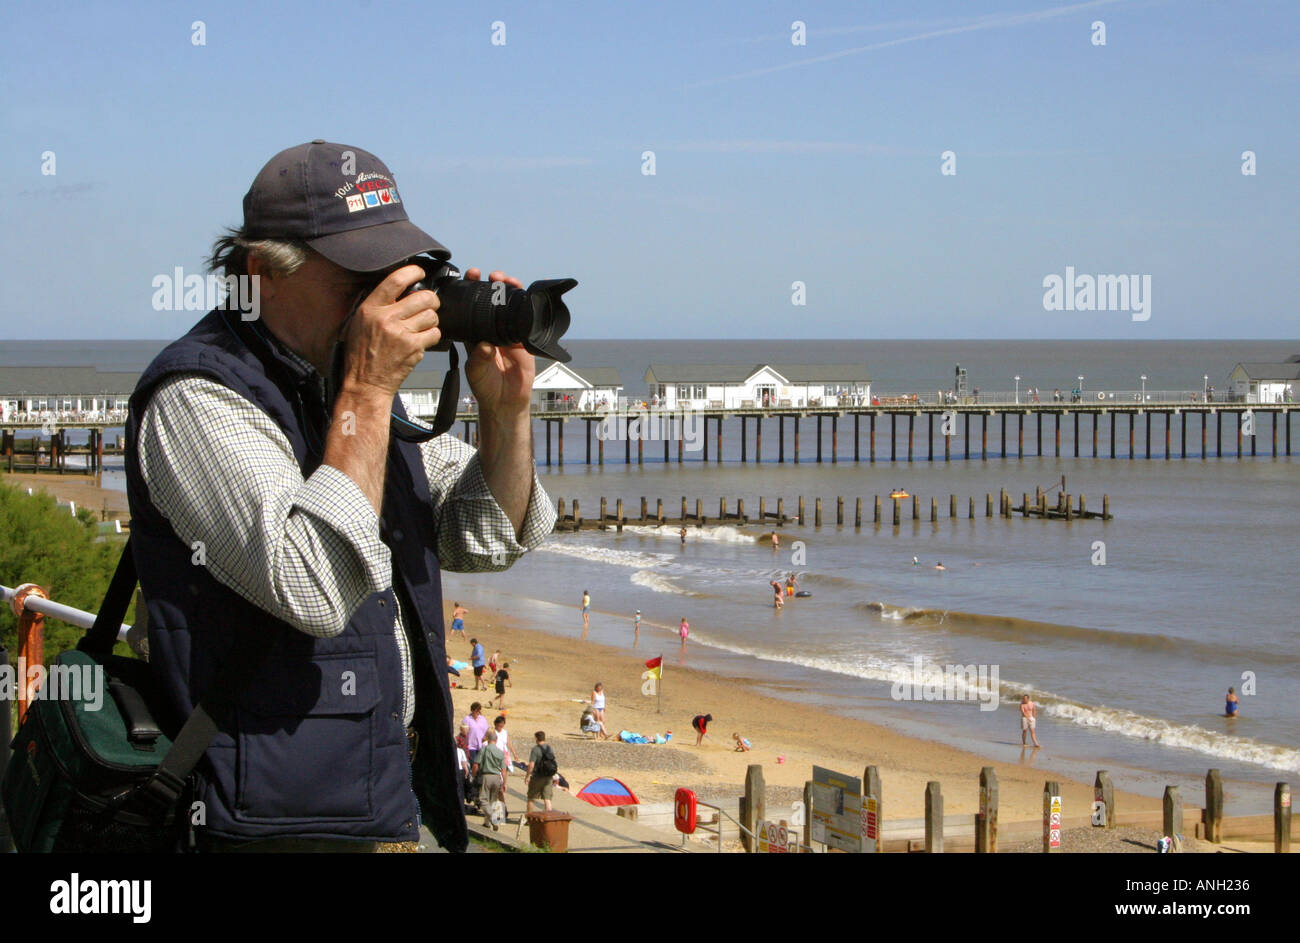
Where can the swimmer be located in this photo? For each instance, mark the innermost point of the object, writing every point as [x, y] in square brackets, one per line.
[682, 534]
[776, 541]
[940, 566]
[915, 562]
[1231, 706]
[791, 584]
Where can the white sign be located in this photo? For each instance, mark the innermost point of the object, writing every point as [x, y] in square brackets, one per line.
[773, 838]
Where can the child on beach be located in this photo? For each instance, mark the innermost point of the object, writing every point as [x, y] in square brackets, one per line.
[493, 662]
[685, 631]
[636, 625]
[700, 722]
[742, 743]
[586, 608]
[502, 680]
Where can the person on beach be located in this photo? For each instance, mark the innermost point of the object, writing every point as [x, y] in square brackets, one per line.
[598, 702]
[501, 681]
[271, 442]
[636, 627]
[742, 743]
[478, 727]
[684, 630]
[776, 542]
[700, 724]
[542, 770]
[791, 584]
[682, 533]
[778, 598]
[586, 609]
[1028, 719]
[458, 613]
[466, 771]
[589, 724]
[489, 768]
[492, 664]
[1231, 706]
[503, 741]
[477, 659]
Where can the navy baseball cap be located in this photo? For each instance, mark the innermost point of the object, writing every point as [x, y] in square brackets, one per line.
[342, 201]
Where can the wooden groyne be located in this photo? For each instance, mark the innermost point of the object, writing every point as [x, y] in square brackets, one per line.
[614, 515]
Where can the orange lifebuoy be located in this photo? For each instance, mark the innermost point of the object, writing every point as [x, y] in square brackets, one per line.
[685, 810]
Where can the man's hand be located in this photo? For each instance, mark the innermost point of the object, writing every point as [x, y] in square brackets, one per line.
[501, 379]
[387, 337]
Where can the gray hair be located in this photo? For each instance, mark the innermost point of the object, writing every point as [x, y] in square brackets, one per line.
[231, 251]
[490, 736]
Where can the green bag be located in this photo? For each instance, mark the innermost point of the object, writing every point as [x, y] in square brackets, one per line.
[99, 775]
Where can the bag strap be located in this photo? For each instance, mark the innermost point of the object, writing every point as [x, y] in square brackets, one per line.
[195, 735]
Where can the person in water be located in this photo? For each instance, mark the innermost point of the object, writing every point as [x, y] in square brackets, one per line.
[791, 584]
[940, 566]
[915, 562]
[776, 541]
[777, 601]
[1231, 706]
[682, 534]
[1028, 719]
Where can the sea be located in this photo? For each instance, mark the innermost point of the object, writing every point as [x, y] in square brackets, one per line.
[1127, 632]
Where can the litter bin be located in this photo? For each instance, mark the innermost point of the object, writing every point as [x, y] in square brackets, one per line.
[549, 830]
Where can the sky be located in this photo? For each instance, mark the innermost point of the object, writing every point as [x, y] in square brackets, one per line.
[775, 162]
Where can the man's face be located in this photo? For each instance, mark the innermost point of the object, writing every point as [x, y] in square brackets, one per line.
[321, 290]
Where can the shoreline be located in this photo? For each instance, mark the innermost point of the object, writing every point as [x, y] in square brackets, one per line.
[551, 674]
[83, 490]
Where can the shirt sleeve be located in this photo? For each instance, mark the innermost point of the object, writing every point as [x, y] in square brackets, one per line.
[224, 475]
[474, 534]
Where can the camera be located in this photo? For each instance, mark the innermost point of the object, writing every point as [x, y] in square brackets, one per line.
[473, 312]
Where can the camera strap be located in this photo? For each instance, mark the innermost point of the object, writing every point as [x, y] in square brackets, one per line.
[410, 428]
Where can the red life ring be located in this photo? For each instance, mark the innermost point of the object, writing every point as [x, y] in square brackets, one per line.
[685, 811]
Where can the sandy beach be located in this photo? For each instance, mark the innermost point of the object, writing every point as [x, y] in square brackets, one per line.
[552, 675]
[83, 490]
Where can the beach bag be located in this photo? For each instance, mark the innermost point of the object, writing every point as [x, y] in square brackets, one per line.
[98, 774]
[546, 766]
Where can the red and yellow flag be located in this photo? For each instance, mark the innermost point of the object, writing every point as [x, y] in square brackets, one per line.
[656, 666]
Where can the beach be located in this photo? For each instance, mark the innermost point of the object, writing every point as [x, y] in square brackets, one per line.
[552, 674]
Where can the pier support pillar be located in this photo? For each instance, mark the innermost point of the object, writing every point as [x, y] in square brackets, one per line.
[1058, 434]
[929, 436]
[1132, 435]
[587, 422]
[1112, 435]
[1004, 434]
[835, 439]
[796, 440]
[1038, 418]
[1148, 434]
[744, 441]
[1020, 435]
[719, 457]
[1182, 432]
[819, 439]
[873, 437]
[559, 441]
[758, 440]
[857, 441]
[1076, 433]
[893, 437]
[984, 437]
[966, 437]
[780, 438]
[911, 427]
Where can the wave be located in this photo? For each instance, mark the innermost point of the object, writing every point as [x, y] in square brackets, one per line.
[630, 558]
[721, 533]
[1098, 717]
[1013, 629]
[659, 583]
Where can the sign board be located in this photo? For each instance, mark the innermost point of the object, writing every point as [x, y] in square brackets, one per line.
[837, 814]
[870, 823]
[773, 838]
[1052, 823]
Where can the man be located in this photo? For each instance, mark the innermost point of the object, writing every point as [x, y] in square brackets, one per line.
[458, 613]
[489, 765]
[1028, 719]
[479, 661]
[541, 771]
[478, 728]
[288, 527]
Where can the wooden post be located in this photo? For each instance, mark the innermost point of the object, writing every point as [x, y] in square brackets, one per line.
[801, 510]
[1069, 509]
[897, 519]
[1104, 792]
[933, 818]
[559, 509]
[659, 510]
[807, 813]
[871, 787]
[817, 512]
[722, 509]
[876, 517]
[934, 509]
[1024, 505]
[1173, 817]
[988, 505]
[1042, 506]
[857, 513]
[1105, 507]
[780, 510]
[603, 515]
[699, 511]
[755, 805]
[952, 506]
[683, 508]
[618, 512]
[986, 819]
[740, 510]
[839, 511]
[762, 508]
[1282, 819]
[1213, 806]
[644, 508]
[971, 513]
[577, 515]
[1052, 813]
[916, 516]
